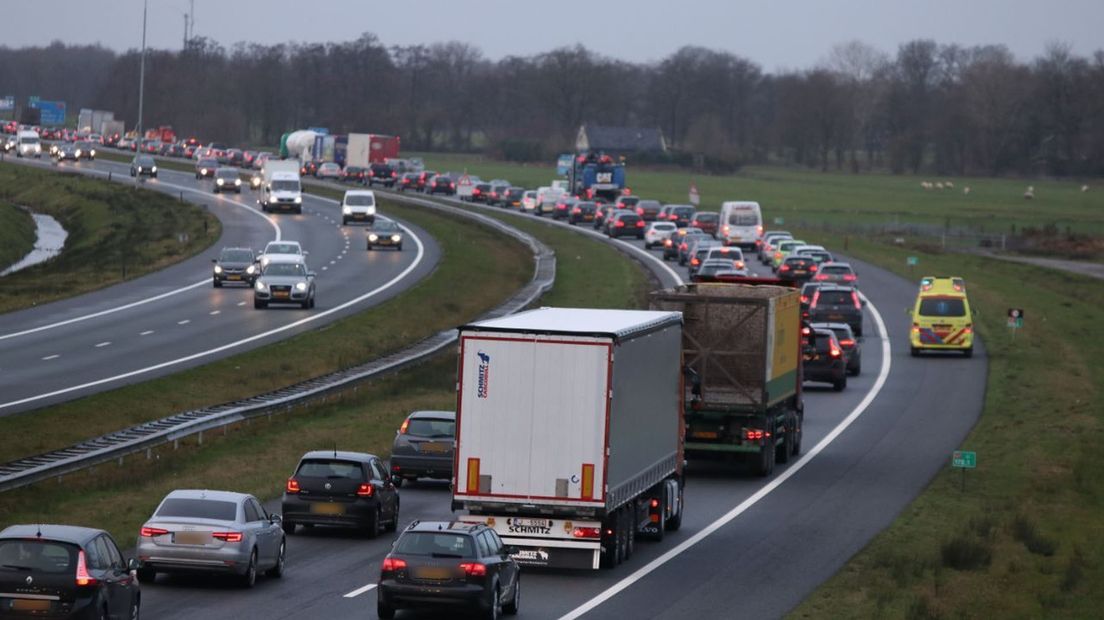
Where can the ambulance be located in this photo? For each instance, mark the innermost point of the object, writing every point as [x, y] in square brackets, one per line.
[941, 318]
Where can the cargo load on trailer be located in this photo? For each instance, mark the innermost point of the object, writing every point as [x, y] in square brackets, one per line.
[569, 432]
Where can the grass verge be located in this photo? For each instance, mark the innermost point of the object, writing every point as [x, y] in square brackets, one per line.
[113, 235]
[477, 271]
[17, 234]
[1024, 540]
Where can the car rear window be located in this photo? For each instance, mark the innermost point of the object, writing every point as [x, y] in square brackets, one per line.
[743, 219]
[836, 270]
[707, 217]
[942, 306]
[683, 211]
[330, 468]
[197, 508]
[835, 298]
[431, 427]
[435, 543]
[237, 256]
[37, 556]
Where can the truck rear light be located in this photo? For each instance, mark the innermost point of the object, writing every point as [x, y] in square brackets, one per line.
[474, 569]
[759, 230]
[916, 328]
[725, 229]
[969, 329]
[227, 536]
[83, 578]
[654, 503]
[150, 532]
[292, 485]
[365, 490]
[586, 532]
[391, 565]
[753, 434]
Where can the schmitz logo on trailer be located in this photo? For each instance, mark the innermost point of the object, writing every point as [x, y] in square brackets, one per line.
[484, 375]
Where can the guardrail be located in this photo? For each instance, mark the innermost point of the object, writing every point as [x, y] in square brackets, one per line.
[119, 444]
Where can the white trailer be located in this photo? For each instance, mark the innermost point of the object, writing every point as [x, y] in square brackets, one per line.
[569, 432]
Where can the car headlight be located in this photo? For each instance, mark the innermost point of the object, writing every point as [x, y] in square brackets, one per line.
[78, 152]
[298, 200]
[237, 181]
[260, 286]
[395, 237]
[92, 152]
[153, 169]
[371, 210]
[219, 181]
[264, 261]
[251, 269]
[373, 237]
[218, 269]
[301, 286]
[346, 210]
[203, 171]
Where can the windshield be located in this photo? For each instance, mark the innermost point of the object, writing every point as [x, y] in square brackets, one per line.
[282, 248]
[145, 161]
[236, 256]
[942, 306]
[193, 508]
[285, 186]
[28, 140]
[360, 200]
[743, 218]
[385, 226]
[207, 163]
[227, 174]
[429, 427]
[430, 543]
[348, 470]
[285, 269]
[39, 556]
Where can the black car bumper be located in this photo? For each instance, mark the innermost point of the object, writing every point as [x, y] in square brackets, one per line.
[320, 511]
[421, 466]
[406, 596]
[825, 373]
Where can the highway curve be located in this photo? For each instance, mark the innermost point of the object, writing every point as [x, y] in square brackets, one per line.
[174, 319]
[748, 547]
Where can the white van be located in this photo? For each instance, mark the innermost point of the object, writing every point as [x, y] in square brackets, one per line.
[741, 223]
[547, 197]
[28, 144]
[359, 205]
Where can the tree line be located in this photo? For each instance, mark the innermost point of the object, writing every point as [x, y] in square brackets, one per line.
[929, 108]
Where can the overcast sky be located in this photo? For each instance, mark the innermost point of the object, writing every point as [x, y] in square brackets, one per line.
[778, 34]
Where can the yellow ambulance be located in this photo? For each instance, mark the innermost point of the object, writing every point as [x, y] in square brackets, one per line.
[941, 318]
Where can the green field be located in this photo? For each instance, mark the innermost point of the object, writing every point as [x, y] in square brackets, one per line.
[17, 234]
[113, 235]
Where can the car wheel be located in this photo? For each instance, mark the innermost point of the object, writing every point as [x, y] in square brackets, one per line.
[968, 352]
[313, 300]
[344, 221]
[675, 522]
[374, 524]
[217, 283]
[840, 384]
[514, 605]
[154, 175]
[766, 459]
[914, 351]
[249, 579]
[494, 606]
[306, 304]
[147, 575]
[399, 247]
[856, 370]
[369, 247]
[783, 452]
[384, 611]
[288, 527]
[281, 559]
[136, 609]
[260, 304]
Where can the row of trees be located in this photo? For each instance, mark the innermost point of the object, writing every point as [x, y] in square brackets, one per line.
[929, 107]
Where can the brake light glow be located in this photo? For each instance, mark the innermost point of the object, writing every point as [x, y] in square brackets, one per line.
[813, 267]
[619, 224]
[822, 277]
[916, 328]
[835, 352]
[150, 532]
[655, 503]
[393, 564]
[855, 298]
[969, 329]
[725, 229]
[804, 299]
[816, 296]
[753, 434]
[850, 277]
[784, 268]
[847, 342]
[694, 261]
[83, 578]
[668, 243]
[405, 425]
[227, 536]
[586, 532]
[292, 485]
[576, 210]
[640, 223]
[474, 569]
[365, 490]
[759, 230]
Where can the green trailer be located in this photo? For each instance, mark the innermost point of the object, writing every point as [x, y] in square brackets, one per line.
[741, 352]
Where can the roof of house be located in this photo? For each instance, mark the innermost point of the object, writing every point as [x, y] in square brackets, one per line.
[599, 137]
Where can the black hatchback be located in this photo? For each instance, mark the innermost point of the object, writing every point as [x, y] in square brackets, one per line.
[625, 224]
[350, 489]
[837, 304]
[65, 571]
[382, 174]
[824, 360]
[443, 565]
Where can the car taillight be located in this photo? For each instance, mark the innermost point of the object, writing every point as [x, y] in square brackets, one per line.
[619, 224]
[916, 328]
[640, 211]
[394, 174]
[576, 211]
[292, 485]
[640, 223]
[855, 298]
[969, 329]
[365, 490]
[784, 268]
[753, 434]
[83, 578]
[474, 569]
[847, 342]
[405, 425]
[586, 532]
[391, 565]
[740, 264]
[816, 297]
[150, 532]
[758, 230]
[667, 243]
[694, 261]
[813, 267]
[835, 352]
[725, 229]
[849, 277]
[227, 536]
[804, 299]
[821, 276]
[452, 186]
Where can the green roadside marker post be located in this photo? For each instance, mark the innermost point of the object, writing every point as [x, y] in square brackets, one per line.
[1015, 320]
[912, 262]
[779, 221]
[962, 459]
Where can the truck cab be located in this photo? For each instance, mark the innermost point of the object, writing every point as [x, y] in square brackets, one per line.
[281, 188]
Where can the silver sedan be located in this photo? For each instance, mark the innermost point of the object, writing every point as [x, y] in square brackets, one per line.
[211, 531]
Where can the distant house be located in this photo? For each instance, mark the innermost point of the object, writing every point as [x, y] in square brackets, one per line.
[620, 141]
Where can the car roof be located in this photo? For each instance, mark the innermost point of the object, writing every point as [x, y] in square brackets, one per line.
[296, 243]
[359, 192]
[432, 414]
[234, 247]
[225, 496]
[342, 455]
[74, 534]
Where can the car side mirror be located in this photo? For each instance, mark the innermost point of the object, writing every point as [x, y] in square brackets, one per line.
[306, 253]
[275, 518]
[132, 564]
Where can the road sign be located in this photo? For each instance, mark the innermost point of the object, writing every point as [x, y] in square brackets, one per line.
[465, 181]
[32, 102]
[779, 221]
[1015, 318]
[695, 197]
[964, 460]
[912, 261]
[51, 112]
[7, 103]
[563, 164]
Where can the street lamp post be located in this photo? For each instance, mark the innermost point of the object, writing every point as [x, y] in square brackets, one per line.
[142, 69]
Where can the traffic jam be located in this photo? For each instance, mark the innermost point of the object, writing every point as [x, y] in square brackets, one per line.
[540, 457]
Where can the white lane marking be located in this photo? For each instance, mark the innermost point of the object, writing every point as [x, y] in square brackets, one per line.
[146, 333]
[214, 312]
[325, 267]
[50, 357]
[231, 345]
[332, 262]
[241, 303]
[184, 322]
[361, 590]
[103, 344]
[758, 495]
[147, 300]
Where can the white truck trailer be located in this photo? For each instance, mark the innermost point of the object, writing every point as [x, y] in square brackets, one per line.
[569, 432]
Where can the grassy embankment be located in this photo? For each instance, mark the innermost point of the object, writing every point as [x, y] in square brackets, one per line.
[113, 235]
[17, 234]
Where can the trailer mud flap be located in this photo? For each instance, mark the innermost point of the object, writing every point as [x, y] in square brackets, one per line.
[557, 557]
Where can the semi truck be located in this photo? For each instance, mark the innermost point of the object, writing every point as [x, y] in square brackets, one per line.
[741, 348]
[365, 149]
[280, 186]
[569, 432]
[594, 175]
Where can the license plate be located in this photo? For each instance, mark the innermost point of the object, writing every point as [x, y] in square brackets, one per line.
[531, 522]
[588, 218]
[281, 294]
[191, 538]
[435, 448]
[233, 277]
[328, 508]
[26, 604]
[433, 572]
[704, 434]
[835, 317]
[799, 272]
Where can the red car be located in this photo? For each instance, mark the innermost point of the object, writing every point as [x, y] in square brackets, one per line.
[706, 221]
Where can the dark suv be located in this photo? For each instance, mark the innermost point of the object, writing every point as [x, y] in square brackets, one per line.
[441, 184]
[423, 446]
[796, 268]
[824, 361]
[624, 223]
[448, 565]
[64, 571]
[235, 265]
[331, 487]
[382, 174]
[852, 347]
[837, 304]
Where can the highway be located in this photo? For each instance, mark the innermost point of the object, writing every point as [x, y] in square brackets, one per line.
[174, 319]
[749, 547]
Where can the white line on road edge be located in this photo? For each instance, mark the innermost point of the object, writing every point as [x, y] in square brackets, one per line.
[362, 590]
[140, 302]
[310, 319]
[103, 344]
[50, 357]
[184, 322]
[146, 333]
[214, 312]
[758, 495]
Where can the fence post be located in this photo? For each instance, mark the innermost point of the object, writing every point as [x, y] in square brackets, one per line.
[1003, 241]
